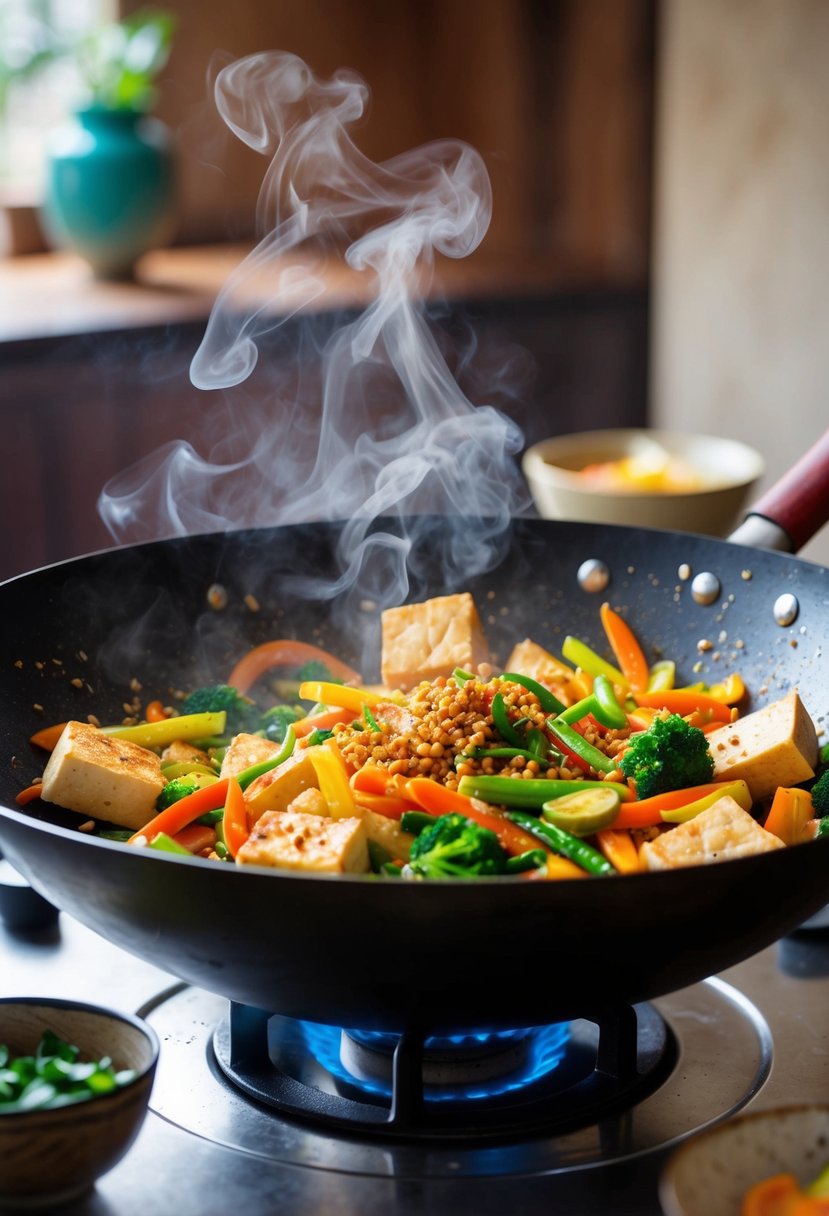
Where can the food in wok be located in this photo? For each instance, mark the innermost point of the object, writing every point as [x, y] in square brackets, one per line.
[545, 768]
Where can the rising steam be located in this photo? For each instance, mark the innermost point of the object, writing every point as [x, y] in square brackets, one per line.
[363, 421]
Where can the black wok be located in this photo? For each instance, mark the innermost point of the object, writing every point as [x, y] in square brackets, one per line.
[377, 954]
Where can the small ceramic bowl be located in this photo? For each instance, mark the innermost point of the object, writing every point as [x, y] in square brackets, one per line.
[710, 1174]
[726, 471]
[51, 1156]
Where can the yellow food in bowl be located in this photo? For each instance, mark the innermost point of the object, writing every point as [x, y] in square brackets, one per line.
[654, 474]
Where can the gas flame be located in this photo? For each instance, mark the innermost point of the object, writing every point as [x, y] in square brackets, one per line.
[380, 429]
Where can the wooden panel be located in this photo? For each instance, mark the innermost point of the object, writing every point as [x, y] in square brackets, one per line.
[556, 95]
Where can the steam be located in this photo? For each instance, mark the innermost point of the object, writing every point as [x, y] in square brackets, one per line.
[364, 421]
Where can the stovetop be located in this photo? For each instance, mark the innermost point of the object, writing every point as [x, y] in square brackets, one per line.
[758, 1035]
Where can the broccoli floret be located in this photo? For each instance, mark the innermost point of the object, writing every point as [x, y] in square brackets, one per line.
[820, 796]
[669, 755]
[315, 670]
[242, 714]
[455, 848]
[275, 721]
[179, 787]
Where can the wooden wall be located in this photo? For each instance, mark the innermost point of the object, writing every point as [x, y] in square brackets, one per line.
[556, 95]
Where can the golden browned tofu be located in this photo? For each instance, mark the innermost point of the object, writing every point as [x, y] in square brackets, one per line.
[289, 840]
[424, 641]
[773, 746]
[181, 752]
[722, 832]
[530, 659]
[103, 777]
[245, 751]
[276, 790]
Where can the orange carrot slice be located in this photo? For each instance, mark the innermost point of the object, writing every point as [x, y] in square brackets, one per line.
[285, 652]
[629, 654]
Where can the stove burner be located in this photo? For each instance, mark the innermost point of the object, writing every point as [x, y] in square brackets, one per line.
[470, 1066]
[496, 1085]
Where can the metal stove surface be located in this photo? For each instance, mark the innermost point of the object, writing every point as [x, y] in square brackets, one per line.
[757, 1035]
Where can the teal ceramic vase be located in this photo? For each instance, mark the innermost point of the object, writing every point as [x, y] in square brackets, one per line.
[110, 188]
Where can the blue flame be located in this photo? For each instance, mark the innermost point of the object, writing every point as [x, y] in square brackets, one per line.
[546, 1046]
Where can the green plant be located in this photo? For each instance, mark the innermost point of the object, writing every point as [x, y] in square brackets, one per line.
[119, 63]
[116, 64]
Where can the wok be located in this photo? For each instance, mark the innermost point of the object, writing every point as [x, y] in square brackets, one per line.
[358, 951]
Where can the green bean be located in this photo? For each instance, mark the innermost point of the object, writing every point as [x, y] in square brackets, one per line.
[564, 843]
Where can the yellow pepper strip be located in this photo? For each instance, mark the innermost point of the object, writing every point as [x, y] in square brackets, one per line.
[738, 790]
[790, 813]
[332, 776]
[159, 734]
[662, 676]
[618, 847]
[561, 867]
[342, 695]
[731, 690]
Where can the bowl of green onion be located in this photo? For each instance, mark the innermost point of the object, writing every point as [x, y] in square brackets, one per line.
[75, 1084]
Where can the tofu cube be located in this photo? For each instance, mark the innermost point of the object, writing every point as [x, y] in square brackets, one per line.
[103, 777]
[289, 840]
[276, 790]
[424, 641]
[245, 751]
[721, 832]
[530, 659]
[776, 745]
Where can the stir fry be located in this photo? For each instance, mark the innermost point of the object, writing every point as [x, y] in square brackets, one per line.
[547, 768]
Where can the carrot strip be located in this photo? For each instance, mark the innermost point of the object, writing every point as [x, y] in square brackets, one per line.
[29, 794]
[647, 812]
[285, 653]
[235, 820]
[374, 779]
[384, 804]
[684, 701]
[618, 847]
[306, 726]
[773, 1196]
[177, 816]
[196, 837]
[48, 737]
[155, 712]
[791, 810]
[629, 654]
[436, 799]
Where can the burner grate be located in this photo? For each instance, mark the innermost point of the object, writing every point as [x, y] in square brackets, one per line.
[540, 1080]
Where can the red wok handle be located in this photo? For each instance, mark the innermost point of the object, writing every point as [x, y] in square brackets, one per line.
[797, 505]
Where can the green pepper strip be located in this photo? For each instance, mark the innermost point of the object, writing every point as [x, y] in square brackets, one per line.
[601, 703]
[256, 770]
[502, 753]
[166, 844]
[564, 843]
[462, 677]
[579, 745]
[532, 792]
[549, 703]
[580, 655]
[370, 720]
[533, 859]
[505, 728]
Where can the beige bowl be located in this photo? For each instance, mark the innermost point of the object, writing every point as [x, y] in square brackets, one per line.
[710, 1174]
[728, 470]
[51, 1156]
